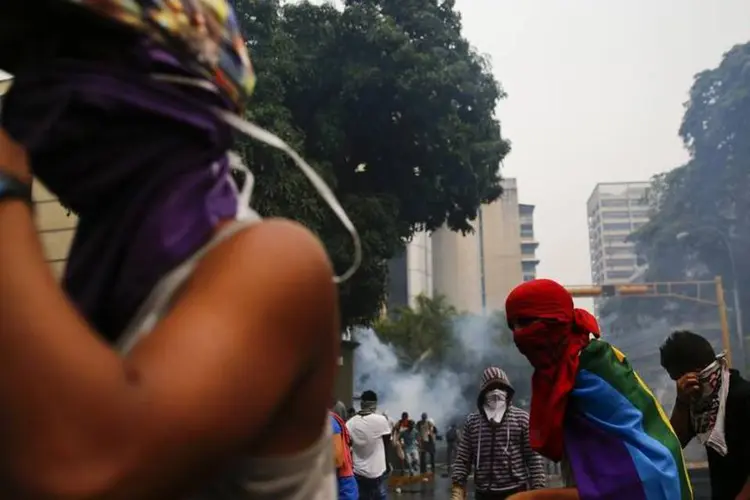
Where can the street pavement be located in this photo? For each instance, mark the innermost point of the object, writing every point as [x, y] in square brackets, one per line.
[439, 489]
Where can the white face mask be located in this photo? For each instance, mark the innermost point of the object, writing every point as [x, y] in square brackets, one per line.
[495, 403]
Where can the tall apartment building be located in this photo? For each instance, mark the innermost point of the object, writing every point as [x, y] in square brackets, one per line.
[410, 273]
[615, 210]
[529, 244]
[476, 271]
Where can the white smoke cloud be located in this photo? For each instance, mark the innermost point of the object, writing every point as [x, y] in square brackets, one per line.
[447, 394]
[399, 390]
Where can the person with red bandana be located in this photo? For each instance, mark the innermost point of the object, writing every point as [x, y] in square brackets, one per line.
[589, 409]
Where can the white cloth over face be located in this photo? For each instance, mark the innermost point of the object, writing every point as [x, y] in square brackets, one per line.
[713, 437]
[495, 404]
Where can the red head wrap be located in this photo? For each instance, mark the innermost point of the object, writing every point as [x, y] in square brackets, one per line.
[553, 336]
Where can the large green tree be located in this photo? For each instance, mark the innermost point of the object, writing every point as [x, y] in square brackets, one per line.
[388, 101]
[698, 208]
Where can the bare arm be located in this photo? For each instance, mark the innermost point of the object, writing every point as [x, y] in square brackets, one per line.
[79, 421]
[680, 421]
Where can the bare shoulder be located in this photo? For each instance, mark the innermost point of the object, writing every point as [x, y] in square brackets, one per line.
[275, 251]
[257, 318]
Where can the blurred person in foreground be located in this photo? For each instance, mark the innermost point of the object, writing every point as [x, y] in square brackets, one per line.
[371, 441]
[495, 443]
[189, 335]
[589, 409]
[342, 454]
[713, 404]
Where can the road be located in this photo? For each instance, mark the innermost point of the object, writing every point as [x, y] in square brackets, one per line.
[440, 488]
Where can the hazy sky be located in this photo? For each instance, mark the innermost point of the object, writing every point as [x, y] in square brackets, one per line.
[595, 93]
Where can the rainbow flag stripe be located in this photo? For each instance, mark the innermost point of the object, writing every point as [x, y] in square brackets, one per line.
[618, 440]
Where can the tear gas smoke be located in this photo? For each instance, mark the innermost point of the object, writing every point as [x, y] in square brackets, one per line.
[446, 393]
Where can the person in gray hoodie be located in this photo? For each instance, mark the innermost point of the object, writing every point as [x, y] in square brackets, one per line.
[496, 445]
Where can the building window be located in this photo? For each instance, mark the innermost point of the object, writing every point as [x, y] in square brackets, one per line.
[528, 267]
[612, 251]
[616, 214]
[614, 203]
[614, 239]
[617, 226]
[528, 249]
[619, 275]
[620, 262]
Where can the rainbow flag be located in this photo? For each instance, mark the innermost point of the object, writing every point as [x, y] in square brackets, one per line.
[618, 440]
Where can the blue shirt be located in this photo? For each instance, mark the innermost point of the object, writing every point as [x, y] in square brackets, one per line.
[347, 485]
[410, 439]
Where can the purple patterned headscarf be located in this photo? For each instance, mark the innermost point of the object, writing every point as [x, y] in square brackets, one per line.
[142, 162]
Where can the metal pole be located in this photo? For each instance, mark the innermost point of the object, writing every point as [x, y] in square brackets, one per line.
[736, 300]
[726, 240]
[723, 319]
[738, 319]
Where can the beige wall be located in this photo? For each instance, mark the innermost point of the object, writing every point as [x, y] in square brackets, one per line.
[457, 260]
[502, 247]
[55, 227]
[456, 272]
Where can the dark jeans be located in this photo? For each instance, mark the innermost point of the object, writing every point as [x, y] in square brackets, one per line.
[450, 453]
[495, 495]
[423, 459]
[372, 489]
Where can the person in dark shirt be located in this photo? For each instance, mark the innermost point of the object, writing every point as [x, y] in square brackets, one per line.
[713, 404]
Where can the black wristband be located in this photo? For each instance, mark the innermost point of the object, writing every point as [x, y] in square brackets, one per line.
[12, 188]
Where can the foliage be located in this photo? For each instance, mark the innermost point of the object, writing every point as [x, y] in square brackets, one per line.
[422, 334]
[434, 336]
[391, 105]
[708, 198]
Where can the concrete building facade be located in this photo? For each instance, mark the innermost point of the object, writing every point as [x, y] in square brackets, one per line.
[500, 248]
[615, 210]
[475, 271]
[529, 243]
